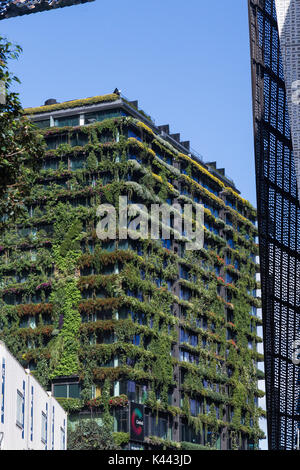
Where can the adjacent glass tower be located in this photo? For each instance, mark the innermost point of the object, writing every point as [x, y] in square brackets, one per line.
[274, 35]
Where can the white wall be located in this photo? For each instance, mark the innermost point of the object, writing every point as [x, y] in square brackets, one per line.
[34, 401]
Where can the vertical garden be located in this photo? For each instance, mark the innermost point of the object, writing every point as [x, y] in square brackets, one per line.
[142, 320]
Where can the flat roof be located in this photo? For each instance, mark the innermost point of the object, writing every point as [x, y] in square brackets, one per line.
[113, 100]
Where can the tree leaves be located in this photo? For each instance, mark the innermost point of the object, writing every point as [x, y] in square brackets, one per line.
[21, 147]
[88, 435]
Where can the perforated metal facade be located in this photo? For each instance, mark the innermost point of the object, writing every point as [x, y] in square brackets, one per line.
[288, 17]
[279, 224]
[10, 8]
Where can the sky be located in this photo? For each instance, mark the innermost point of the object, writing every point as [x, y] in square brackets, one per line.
[188, 64]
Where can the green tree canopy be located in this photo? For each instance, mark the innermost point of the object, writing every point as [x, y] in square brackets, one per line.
[88, 435]
[21, 147]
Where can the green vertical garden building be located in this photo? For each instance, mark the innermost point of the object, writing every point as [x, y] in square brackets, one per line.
[162, 338]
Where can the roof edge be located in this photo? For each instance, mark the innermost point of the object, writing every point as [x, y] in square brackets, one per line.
[72, 104]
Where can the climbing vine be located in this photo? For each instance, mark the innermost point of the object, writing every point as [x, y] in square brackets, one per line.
[177, 324]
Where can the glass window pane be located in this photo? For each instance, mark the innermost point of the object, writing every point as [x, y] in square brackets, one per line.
[77, 163]
[77, 139]
[19, 408]
[44, 428]
[74, 391]
[67, 121]
[101, 115]
[42, 124]
[60, 391]
[50, 164]
[62, 439]
[54, 141]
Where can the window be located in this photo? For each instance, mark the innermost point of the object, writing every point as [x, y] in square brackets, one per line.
[229, 316]
[184, 274]
[189, 338]
[228, 259]
[230, 203]
[132, 134]
[23, 323]
[77, 163]
[196, 178]
[195, 407]
[185, 356]
[228, 220]
[121, 420]
[42, 124]
[185, 293]
[44, 428]
[159, 427]
[62, 439]
[188, 434]
[67, 121]
[20, 409]
[110, 246]
[136, 340]
[32, 322]
[166, 243]
[67, 390]
[231, 242]
[135, 392]
[230, 334]
[77, 139]
[54, 141]
[90, 118]
[139, 318]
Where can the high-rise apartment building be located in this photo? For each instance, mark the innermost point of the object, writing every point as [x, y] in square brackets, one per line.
[165, 338]
[275, 54]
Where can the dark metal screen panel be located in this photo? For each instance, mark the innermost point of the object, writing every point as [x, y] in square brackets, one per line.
[278, 223]
[10, 8]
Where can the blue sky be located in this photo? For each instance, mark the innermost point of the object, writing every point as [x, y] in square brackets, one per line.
[186, 62]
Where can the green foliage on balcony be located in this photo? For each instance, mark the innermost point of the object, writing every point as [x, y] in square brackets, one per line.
[73, 290]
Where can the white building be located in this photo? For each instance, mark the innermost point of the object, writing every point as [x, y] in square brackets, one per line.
[30, 418]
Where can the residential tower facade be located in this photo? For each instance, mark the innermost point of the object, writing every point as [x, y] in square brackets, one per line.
[165, 339]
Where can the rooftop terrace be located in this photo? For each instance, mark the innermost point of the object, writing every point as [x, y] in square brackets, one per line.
[116, 100]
